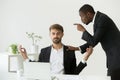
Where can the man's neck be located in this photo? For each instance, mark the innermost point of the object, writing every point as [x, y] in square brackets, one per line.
[57, 46]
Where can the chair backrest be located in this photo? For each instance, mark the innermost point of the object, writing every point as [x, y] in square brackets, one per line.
[37, 70]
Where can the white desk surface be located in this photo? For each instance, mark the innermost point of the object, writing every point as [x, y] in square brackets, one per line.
[81, 77]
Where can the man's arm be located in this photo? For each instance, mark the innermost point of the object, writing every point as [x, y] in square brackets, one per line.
[83, 63]
[98, 34]
[81, 48]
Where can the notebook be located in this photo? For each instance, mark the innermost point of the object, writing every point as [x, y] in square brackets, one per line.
[37, 70]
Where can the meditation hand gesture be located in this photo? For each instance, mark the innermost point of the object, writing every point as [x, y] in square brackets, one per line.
[23, 52]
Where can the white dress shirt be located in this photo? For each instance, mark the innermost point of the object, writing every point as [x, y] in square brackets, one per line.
[56, 61]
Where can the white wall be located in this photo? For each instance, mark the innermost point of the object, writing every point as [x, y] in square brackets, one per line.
[20, 16]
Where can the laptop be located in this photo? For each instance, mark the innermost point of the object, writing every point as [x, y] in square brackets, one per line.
[37, 70]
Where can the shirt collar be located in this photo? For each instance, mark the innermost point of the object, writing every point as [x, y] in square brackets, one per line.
[58, 49]
[94, 17]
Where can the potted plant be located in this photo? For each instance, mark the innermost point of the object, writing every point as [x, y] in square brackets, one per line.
[35, 38]
[13, 48]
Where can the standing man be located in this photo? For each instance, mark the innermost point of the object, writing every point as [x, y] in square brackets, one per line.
[62, 60]
[105, 32]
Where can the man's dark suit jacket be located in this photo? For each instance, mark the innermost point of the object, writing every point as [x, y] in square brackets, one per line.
[105, 32]
[69, 61]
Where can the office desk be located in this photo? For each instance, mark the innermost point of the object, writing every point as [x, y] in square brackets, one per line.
[80, 77]
[76, 77]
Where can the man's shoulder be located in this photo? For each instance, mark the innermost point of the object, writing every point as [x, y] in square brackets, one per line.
[101, 15]
[45, 48]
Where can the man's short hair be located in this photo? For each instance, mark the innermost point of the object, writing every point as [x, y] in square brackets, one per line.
[57, 27]
[87, 8]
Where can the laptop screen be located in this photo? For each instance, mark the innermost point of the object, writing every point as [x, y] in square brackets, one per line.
[37, 70]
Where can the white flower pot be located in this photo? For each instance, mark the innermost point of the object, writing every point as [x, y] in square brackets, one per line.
[34, 49]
